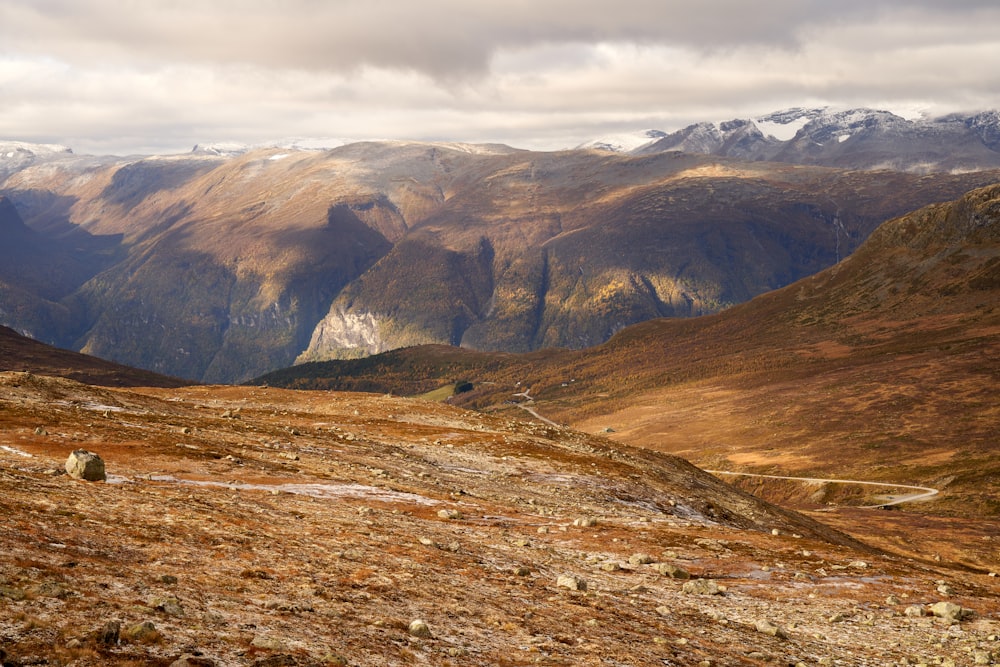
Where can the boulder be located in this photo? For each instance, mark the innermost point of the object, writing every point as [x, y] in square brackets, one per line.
[571, 582]
[641, 559]
[949, 611]
[672, 571]
[419, 628]
[141, 633]
[82, 464]
[701, 587]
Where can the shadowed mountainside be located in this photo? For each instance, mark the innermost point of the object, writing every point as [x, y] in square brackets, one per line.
[221, 268]
[19, 353]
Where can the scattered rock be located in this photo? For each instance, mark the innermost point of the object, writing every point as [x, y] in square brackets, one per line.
[168, 579]
[611, 566]
[585, 522]
[838, 618]
[768, 628]
[522, 571]
[449, 514]
[914, 611]
[945, 589]
[109, 634]
[672, 571]
[710, 544]
[419, 628]
[571, 582]
[980, 657]
[858, 564]
[82, 464]
[169, 606]
[141, 633]
[232, 414]
[15, 594]
[41, 431]
[50, 589]
[701, 587]
[950, 611]
[893, 600]
[641, 559]
[269, 643]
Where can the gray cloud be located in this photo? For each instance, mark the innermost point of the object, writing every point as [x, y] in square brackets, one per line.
[164, 74]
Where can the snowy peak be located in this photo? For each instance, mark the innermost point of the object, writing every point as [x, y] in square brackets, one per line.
[739, 138]
[853, 138]
[626, 142]
[11, 149]
[17, 155]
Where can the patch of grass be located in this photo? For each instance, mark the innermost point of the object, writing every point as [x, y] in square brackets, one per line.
[439, 394]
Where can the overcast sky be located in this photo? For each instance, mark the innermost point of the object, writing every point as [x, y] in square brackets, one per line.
[124, 76]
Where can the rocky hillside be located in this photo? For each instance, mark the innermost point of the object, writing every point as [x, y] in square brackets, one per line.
[219, 266]
[250, 526]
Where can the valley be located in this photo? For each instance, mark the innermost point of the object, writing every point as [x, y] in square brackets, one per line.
[219, 266]
[735, 405]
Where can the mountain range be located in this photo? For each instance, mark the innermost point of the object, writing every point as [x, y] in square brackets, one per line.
[220, 265]
[853, 139]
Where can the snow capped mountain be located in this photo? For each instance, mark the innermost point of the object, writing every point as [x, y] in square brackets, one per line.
[10, 149]
[16, 155]
[626, 142]
[850, 138]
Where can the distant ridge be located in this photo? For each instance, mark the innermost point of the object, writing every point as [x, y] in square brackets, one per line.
[22, 354]
[221, 264]
[854, 138]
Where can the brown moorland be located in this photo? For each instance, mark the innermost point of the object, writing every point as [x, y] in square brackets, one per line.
[261, 526]
[883, 368]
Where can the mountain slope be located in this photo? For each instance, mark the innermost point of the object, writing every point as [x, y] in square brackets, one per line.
[315, 528]
[884, 366]
[22, 354]
[219, 267]
[566, 249]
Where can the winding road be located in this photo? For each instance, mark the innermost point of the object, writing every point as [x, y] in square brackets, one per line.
[917, 492]
[921, 492]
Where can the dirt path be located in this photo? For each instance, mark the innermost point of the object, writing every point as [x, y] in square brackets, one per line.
[921, 492]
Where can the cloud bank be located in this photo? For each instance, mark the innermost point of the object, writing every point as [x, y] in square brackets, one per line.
[161, 75]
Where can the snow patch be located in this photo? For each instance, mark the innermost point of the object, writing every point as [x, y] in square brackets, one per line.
[14, 450]
[784, 130]
[843, 137]
[625, 142]
[359, 491]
